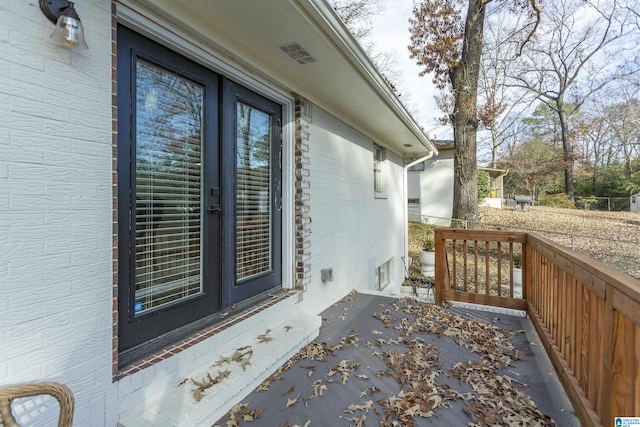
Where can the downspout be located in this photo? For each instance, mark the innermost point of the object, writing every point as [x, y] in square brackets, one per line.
[406, 208]
[502, 186]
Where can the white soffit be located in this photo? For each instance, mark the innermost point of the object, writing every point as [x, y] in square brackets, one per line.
[302, 45]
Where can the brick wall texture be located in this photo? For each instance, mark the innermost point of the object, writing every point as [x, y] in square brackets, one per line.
[55, 208]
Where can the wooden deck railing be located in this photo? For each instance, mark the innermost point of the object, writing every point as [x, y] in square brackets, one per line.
[586, 314]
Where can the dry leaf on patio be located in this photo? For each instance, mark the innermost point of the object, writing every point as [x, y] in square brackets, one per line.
[359, 422]
[289, 391]
[349, 340]
[318, 388]
[222, 361]
[265, 337]
[368, 405]
[207, 382]
[249, 415]
[291, 402]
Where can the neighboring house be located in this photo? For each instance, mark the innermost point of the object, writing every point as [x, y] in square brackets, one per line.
[496, 186]
[207, 172]
[430, 187]
[635, 203]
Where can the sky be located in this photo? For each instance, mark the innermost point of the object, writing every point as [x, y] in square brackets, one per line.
[390, 32]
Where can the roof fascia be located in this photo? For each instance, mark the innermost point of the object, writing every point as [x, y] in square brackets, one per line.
[321, 12]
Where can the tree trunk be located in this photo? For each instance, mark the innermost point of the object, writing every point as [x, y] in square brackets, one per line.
[494, 146]
[464, 79]
[567, 150]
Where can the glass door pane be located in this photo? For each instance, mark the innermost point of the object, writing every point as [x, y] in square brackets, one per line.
[253, 191]
[168, 187]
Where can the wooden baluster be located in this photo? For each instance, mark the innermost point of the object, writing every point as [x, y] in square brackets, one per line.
[464, 264]
[486, 260]
[475, 263]
[499, 255]
[455, 265]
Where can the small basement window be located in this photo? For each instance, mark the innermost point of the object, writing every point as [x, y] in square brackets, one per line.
[383, 275]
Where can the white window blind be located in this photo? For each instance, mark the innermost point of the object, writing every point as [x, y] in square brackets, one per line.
[253, 192]
[168, 188]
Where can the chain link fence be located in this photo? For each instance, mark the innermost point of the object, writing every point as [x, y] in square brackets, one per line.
[611, 204]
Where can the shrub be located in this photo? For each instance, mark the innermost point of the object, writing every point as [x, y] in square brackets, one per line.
[560, 200]
[585, 202]
[418, 234]
[517, 260]
[484, 189]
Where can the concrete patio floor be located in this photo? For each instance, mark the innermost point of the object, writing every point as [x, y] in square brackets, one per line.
[382, 361]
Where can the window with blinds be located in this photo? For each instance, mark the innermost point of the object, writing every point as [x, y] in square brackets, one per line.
[168, 188]
[253, 191]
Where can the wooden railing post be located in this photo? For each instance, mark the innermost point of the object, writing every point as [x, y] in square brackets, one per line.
[527, 269]
[441, 261]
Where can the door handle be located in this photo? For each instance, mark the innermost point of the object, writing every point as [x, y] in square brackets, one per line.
[214, 206]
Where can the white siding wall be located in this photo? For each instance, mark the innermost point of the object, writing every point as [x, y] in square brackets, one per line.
[352, 231]
[55, 207]
[434, 186]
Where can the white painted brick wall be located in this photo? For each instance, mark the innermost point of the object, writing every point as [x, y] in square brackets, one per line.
[55, 209]
[56, 214]
[352, 231]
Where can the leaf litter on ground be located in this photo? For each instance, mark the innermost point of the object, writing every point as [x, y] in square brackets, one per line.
[489, 396]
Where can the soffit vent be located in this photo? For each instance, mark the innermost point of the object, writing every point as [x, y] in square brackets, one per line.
[298, 53]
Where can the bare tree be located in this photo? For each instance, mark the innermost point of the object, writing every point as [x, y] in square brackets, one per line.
[532, 165]
[451, 48]
[623, 120]
[577, 52]
[357, 16]
[500, 106]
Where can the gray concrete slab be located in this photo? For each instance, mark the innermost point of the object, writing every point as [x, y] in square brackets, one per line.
[307, 394]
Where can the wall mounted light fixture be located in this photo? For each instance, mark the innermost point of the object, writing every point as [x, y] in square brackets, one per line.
[69, 31]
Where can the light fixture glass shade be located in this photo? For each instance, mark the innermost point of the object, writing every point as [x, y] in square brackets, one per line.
[69, 31]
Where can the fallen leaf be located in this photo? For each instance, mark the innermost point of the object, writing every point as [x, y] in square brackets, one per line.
[291, 402]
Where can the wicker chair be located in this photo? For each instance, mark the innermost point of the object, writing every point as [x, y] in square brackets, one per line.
[59, 391]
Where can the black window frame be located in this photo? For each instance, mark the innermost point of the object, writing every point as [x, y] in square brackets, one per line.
[237, 291]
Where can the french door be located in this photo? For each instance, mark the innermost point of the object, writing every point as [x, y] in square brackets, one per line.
[199, 224]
